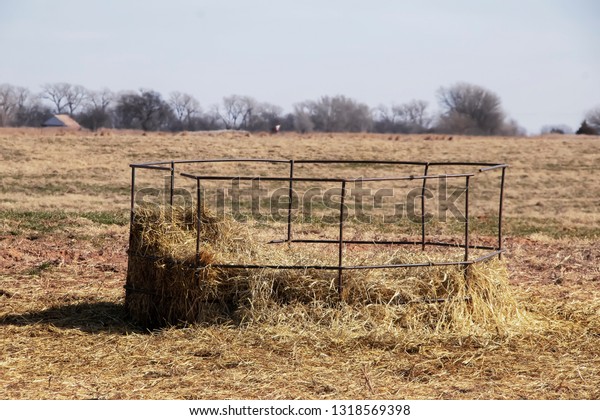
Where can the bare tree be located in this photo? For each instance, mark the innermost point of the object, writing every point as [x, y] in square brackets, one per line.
[302, 120]
[19, 107]
[410, 117]
[100, 99]
[413, 116]
[213, 117]
[8, 104]
[56, 93]
[75, 97]
[335, 114]
[64, 96]
[97, 111]
[236, 111]
[186, 109]
[469, 109]
[265, 116]
[383, 120]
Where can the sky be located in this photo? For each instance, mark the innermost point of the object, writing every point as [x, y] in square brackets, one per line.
[541, 57]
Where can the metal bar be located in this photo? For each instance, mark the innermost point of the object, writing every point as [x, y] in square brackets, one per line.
[233, 160]
[278, 267]
[131, 210]
[267, 178]
[261, 178]
[500, 211]
[198, 222]
[324, 267]
[291, 190]
[423, 207]
[487, 256]
[487, 164]
[411, 177]
[132, 204]
[172, 183]
[366, 162]
[466, 266]
[341, 239]
[142, 164]
[451, 245]
[467, 218]
[364, 242]
[345, 267]
[225, 160]
[147, 166]
[425, 264]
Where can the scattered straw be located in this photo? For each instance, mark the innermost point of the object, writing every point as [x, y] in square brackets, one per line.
[164, 287]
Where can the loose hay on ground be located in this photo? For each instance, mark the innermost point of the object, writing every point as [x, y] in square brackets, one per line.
[165, 288]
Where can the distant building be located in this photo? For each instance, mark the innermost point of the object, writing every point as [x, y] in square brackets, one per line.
[62, 121]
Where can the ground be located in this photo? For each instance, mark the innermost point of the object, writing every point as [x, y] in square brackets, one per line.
[64, 202]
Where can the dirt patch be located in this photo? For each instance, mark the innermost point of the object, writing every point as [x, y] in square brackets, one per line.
[541, 261]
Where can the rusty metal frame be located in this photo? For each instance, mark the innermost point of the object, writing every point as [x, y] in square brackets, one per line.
[497, 250]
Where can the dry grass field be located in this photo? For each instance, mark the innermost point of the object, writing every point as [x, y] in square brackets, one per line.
[64, 334]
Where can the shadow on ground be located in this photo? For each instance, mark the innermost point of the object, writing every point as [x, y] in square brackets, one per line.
[96, 317]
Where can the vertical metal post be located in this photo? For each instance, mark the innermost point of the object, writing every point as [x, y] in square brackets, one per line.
[198, 224]
[291, 190]
[341, 240]
[172, 183]
[500, 212]
[132, 194]
[467, 178]
[423, 207]
[131, 208]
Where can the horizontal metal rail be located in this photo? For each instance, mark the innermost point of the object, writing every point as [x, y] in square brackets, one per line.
[222, 160]
[359, 162]
[380, 242]
[193, 265]
[311, 179]
[149, 166]
[486, 165]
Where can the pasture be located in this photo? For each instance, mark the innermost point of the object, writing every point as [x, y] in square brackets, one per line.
[64, 334]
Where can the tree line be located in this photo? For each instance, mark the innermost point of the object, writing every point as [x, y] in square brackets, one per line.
[463, 109]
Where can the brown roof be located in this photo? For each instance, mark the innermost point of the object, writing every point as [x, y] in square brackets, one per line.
[61, 120]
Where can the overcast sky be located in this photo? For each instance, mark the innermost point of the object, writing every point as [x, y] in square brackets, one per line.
[542, 57]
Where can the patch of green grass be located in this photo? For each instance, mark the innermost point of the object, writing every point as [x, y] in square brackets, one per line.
[553, 228]
[49, 187]
[38, 221]
[107, 217]
[16, 222]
